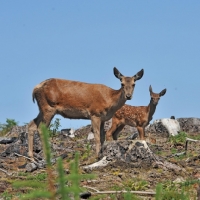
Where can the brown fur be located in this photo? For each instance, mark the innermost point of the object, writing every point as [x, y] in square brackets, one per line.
[137, 116]
[78, 100]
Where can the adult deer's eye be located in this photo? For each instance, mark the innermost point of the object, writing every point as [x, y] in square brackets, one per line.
[122, 85]
[133, 85]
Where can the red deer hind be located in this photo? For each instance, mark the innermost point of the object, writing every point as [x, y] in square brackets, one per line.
[78, 100]
[137, 116]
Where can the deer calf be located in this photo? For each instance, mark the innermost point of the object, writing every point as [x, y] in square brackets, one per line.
[78, 100]
[137, 116]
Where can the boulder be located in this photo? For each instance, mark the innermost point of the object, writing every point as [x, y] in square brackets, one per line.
[68, 132]
[135, 152]
[16, 130]
[189, 125]
[90, 136]
[164, 127]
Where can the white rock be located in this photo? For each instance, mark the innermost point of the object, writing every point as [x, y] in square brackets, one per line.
[71, 133]
[179, 180]
[68, 132]
[30, 167]
[172, 125]
[90, 136]
[103, 162]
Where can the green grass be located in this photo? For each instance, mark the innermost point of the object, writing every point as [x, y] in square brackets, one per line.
[178, 139]
[37, 177]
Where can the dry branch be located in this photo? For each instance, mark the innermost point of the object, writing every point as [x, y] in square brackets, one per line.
[26, 158]
[189, 140]
[122, 191]
[9, 174]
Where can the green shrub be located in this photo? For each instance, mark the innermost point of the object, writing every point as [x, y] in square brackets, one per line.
[4, 128]
[179, 138]
[53, 127]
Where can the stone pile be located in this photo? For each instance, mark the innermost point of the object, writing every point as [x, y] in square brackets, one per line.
[13, 148]
[134, 152]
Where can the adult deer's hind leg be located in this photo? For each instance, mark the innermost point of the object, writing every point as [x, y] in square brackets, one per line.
[34, 125]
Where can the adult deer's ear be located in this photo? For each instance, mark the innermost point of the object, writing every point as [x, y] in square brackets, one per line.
[139, 75]
[150, 89]
[162, 93]
[117, 73]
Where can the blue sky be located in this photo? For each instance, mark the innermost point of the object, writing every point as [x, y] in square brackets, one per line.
[84, 40]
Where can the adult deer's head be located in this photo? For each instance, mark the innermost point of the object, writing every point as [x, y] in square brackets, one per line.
[155, 97]
[128, 83]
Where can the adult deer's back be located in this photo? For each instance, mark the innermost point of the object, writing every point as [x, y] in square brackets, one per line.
[79, 100]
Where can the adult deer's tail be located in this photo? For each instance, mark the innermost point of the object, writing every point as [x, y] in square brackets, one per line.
[36, 88]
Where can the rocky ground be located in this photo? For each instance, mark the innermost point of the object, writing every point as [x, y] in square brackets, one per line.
[165, 164]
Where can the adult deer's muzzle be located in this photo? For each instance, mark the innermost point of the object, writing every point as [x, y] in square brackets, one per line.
[128, 96]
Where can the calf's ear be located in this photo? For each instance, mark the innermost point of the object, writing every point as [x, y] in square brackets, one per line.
[150, 89]
[162, 93]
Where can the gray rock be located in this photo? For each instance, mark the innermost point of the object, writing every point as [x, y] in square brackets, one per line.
[128, 151]
[189, 125]
[133, 136]
[5, 140]
[31, 167]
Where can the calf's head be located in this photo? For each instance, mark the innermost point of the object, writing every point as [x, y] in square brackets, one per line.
[155, 97]
[128, 83]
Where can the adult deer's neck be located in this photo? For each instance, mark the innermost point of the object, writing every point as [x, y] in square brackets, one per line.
[151, 109]
[118, 98]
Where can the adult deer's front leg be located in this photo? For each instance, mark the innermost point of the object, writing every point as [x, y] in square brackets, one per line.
[118, 130]
[102, 133]
[141, 132]
[96, 124]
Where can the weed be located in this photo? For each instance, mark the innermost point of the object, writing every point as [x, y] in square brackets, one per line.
[87, 151]
[169, 186]
[129, 196]
[6, 195]
[99, 197]
[23, 174]
[170, 194]
[173, 150]
[53, 127]
[117, 187]
[38, 177]
[4, 128]
[136, 184]
[178, 139]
